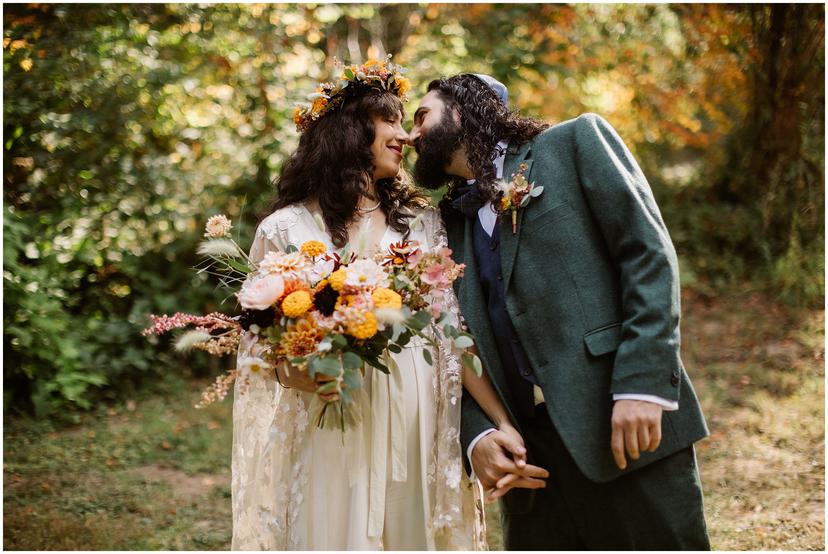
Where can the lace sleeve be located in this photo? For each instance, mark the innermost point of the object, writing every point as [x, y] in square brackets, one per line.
[458, 511]
[269, 425]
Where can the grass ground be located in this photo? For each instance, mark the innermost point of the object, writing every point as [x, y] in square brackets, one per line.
[153, 474]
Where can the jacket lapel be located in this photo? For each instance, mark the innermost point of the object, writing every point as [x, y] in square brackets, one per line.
[508, 239]
[475, 312]
[470, 294]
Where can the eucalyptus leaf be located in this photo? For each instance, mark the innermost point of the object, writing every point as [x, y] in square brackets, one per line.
[419, 320]
[327, 365]
[352, 379]
[330, 386]
[427, 356]
[351, 361]
[536, 191]
[472, 362]
[463, 341]
[450, 331]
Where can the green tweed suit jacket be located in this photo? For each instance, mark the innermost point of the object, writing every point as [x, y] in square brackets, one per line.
[592, 288]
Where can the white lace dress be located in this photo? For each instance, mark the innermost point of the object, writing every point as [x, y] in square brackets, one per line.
[395, 481]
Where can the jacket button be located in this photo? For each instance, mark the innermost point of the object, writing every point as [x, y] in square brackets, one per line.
[499, 277]
[674, 379]
[526, 372]
[493, 246]
[515, 341]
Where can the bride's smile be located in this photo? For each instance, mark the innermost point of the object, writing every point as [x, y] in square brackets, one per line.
[389, 137]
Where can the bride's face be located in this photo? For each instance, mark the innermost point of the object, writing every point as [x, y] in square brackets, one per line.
[389, 138]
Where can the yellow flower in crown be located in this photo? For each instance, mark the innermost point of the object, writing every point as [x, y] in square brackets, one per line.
[386, 298]
[403, 84]
[319, 104]
[379, 74]
[365, 329]
[296, 303]
[313, 248]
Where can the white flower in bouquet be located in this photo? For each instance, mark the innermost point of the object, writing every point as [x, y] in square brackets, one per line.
[292, 265]
[262, 292]
[365, 274]
[321, 268]
[217, 226]
[252, 364]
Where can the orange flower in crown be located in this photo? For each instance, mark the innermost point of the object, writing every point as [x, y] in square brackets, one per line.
[382, 75]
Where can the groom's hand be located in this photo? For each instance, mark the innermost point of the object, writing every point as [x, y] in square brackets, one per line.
[491, 461]
[636, 427]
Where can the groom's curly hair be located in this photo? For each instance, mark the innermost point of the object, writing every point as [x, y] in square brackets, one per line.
[484, 121]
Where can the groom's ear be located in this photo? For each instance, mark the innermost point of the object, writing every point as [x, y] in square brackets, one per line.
[455, 113]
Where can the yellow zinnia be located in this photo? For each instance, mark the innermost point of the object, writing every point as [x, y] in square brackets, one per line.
[296, 303]
[386, 298]
[337, 279]
[403, 85]
[313, 248]
[364, 330]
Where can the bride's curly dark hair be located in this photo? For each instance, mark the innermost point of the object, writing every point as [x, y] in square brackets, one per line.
[333, 165]
[484, 120]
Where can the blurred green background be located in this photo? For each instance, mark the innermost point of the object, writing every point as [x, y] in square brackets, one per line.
[127, 126]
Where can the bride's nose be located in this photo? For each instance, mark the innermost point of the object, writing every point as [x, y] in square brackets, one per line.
[402, 136]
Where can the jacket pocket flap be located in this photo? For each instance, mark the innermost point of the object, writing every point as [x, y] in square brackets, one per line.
[604, 340]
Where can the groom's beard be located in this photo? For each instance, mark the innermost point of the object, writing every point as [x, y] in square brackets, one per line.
[434, 151]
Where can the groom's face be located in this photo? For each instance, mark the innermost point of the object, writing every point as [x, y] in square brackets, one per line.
[435, 136]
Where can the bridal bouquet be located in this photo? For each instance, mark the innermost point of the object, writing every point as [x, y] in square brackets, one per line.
[321, 312]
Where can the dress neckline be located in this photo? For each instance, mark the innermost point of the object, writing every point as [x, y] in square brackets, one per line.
[385, 241]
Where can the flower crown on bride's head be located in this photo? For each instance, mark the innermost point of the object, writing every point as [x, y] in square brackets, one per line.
[381, 75]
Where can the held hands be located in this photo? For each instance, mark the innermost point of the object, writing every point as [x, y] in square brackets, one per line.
[636, 426]
[295, 379]
[499, 461]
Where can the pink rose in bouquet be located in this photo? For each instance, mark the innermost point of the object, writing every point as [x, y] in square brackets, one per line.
[261, 293]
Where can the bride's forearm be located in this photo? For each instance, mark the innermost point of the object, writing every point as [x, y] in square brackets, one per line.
[483, 392]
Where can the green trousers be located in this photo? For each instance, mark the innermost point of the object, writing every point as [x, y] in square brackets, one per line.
[657, 507]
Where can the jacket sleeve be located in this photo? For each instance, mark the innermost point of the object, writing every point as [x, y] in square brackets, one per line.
[473, 421]
[622, 203]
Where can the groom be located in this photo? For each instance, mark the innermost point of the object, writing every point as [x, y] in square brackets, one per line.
[574, 306]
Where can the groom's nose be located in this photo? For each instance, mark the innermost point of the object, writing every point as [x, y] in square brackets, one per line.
[414, 134]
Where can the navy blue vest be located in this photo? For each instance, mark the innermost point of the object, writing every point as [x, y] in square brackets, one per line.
[516, 365]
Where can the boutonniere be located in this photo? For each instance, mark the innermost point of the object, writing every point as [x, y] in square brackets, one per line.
[516, 194]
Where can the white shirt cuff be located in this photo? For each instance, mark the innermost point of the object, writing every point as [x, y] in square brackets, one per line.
[472, 444]
[668, 405]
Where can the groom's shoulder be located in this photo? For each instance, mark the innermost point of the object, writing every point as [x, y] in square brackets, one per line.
[571, 127]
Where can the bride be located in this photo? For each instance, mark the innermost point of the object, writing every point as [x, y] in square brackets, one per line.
[395, 480]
